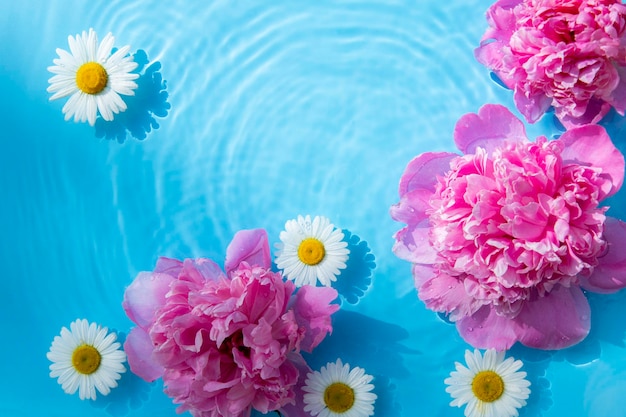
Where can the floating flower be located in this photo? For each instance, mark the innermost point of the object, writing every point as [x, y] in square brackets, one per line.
[86, 358]
[567, 54]
[338, 391]
[311, 251]
[93, 77]
[225, 343]
[503, 237]
[491, 386]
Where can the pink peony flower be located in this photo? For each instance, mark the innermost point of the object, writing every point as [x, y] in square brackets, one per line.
[503, 237]
[225, 343]
[569, 54]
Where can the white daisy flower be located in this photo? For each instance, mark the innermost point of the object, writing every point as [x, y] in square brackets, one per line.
[85, 358]
[491, 387]
[311, 251]
[337, 391]
[93, 77]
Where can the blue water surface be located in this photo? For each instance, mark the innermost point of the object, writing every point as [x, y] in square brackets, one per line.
[252, 112]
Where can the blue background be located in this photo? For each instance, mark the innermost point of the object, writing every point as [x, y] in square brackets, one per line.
[277, 109]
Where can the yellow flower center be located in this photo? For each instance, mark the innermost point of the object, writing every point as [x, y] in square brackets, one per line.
[487, 386]
[311, 251]
[91, 78]
[339, 397]
[86, 359]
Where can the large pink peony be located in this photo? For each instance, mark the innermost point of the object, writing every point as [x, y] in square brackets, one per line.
[503, 237]
[225, 343]
[569, 54]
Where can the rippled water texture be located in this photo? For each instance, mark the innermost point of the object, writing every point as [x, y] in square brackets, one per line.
[277, 109]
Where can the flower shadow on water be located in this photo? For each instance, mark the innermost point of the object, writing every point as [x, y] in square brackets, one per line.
[362, 341]
[149, 101]
[130, 393]
[356, 278]
[535, 364]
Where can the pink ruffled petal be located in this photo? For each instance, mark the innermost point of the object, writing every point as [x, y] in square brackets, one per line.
[443, 293]
[412, 207]
[533, 107]
[556, 321]
[618, 96]
[596, 110]
[590, 145]
[145, 295]
[249, 246]
[413, 244]
[138, 348]
[490, 55]
[296, 409]
[312, 310]
[610, 274]
[422, 171]
[487, 129]
[168, 266]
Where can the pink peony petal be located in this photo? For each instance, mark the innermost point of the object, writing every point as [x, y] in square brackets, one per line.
[296, 408]
[610, 274]
[168, 266]
[556, 321]
[422, 171]
[596, 110]
[533, 107]
[590, 145]
[487, 330]
[412, 207]
[249, 246]
[490, 55]
[413, 245]
[200, 270]
[312, 309]
[487, 129]
[145, 295]
[618, 96]
[443, 293]
[138, 348]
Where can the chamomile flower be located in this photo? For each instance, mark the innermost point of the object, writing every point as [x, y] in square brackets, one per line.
[491, 387]
[92, 77]
[311, 251]
[338, 391]
[86, 358]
